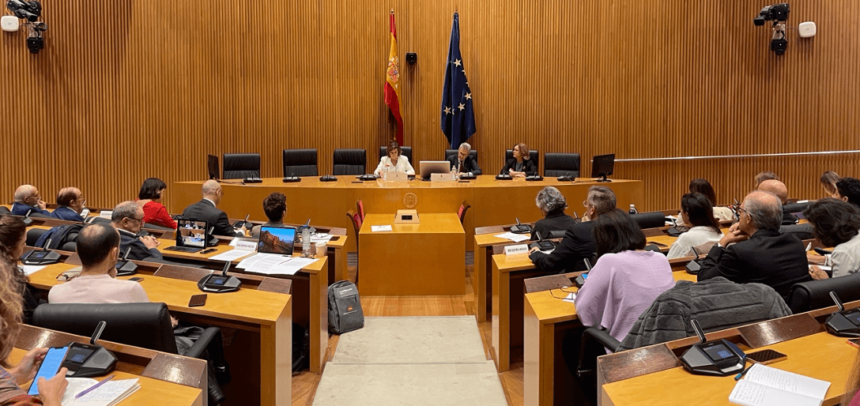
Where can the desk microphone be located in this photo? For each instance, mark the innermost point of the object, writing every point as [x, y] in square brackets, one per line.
[89, 359]
[566, 178]
[716, 358]
[126, 267]
[843, 323]
[27, 220]
[43, 257]
[694, 266]
[220, 283]
[211, 240]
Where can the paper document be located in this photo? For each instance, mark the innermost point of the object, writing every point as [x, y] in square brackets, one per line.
[289, 267]
[109, 394]
[514, 237]
[274, 264]
[230, 256]
[31, 269]
[377, 229]
[766, 386]
[571, 297]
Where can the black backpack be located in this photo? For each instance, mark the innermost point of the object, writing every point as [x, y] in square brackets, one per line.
[344, 308]
[59, 235]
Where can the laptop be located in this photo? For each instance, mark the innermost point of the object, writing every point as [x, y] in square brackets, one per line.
[427, 168]
[190, 236]
[276, 240]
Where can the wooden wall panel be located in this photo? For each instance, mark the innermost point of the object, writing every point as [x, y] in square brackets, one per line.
[130, 89]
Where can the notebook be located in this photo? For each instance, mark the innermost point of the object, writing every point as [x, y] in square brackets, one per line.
[766, 386]
[109, 394]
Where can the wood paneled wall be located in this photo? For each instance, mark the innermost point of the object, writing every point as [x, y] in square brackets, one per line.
[129, 89]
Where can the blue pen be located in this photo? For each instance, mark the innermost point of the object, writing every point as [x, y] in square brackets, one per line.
[738, 376]
[94, 387]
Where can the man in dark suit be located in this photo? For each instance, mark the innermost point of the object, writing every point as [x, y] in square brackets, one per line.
[127, 218]
[760, 253]
[28, 200]
[464, 161]
[578, 242]
[70, 204]
[207, 210]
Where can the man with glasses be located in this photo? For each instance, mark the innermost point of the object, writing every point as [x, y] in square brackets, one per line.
[207, 210]
[28, 200]
[70, 204]
[127, 218]
[578, 243]
[755, 251]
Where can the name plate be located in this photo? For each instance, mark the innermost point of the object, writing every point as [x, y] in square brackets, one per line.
[440, 177]
[246, 245]
[396, 177]
[106, 214]
[516, 250]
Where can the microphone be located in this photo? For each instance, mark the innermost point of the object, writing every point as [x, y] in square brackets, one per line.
[47, 244]
[125, 256]
[226, 267]
[695, 252]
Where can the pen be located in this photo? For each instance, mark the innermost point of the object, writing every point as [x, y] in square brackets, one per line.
[852, 343]
[92, 388]
[738, 376]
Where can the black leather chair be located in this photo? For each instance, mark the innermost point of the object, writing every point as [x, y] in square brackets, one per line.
[450, 153]
[4, 210]
[812, 295]
[556, 164]
[795, 207]
[241, 166]
[350, 162]
[533, 155]
[33, 235]
[145, 325]
[300, 162]
[653, 219]
[407, 152]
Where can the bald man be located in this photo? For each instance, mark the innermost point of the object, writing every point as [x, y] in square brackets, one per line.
[70, 204]
[28, 200]
[779, 190]
[755, 251]
[207, 210]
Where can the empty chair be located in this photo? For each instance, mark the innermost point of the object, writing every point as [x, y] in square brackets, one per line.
[795, 207]
[815, 294]
[556, 164]
[350, 162]
[356, 221]
[300, 162]
[461, 213]
[359, 206]
[240, 166]
[451, 153]
[4, 210]
[407, 152]
[652, 219]
[533, 155]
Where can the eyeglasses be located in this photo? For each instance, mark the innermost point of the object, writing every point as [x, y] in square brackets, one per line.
[563, 290]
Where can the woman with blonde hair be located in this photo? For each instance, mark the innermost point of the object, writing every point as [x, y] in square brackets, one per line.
[12, 241]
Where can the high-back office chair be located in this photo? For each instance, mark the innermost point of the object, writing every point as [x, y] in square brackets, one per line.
[533, 155]
[356, 222]
[33, 235]
[300, 162]
[359, 206]
[349, 162]
[555, 164]
[815, 294]
[4, 210]
[241, 166]
[795, 207]
[652, 219]
[451, 153]
[407, 152]
[462, 212]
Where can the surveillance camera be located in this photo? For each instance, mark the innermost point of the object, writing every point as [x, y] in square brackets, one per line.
[778, 13]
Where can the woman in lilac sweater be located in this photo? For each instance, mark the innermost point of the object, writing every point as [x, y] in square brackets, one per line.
[625, 279]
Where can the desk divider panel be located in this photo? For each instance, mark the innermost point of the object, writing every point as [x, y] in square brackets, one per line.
[779, 330]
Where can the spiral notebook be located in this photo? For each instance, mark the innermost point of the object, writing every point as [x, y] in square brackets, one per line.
[109, 394]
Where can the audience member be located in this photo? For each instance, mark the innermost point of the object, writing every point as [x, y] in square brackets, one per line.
[551, 204]
[13, 239]
[697, 212]
[98, 247]
[464, 161]
[760, 253]
[149, 197]
[836, 224]
[763, 176]
[28, 199]
[704, 187]
[625, 279]
[127, 218]
[578, 242]
[828, 180]
[394, 161]
[847, 190]
[521, 165]
[11, 377]
[779, 190]
[70, 204]
[207, 210]
[275, 206]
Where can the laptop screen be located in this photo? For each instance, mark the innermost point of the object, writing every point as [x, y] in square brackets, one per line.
[191, 233]
[276, 240]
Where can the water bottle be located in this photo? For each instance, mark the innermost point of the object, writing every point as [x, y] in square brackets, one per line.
[306, 243]
[633, 209]
[453, 173]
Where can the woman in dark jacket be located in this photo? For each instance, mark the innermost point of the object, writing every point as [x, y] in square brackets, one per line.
[551, 204]
[520, 165]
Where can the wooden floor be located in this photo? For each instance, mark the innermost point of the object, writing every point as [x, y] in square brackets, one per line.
[305, 384]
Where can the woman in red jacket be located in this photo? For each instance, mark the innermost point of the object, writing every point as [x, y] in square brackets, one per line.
[150, 199]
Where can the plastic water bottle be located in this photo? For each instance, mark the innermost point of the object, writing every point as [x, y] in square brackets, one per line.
[306, 243]
[633, 209]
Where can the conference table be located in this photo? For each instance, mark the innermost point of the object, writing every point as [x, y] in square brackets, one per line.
[492, 201]
[265, 315]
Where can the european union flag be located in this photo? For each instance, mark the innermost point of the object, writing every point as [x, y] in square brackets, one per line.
[458, 115]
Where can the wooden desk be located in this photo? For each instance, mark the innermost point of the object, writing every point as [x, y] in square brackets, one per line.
[482, 274]
[164, 378]
[265, 313]
[413, 259]
[508, 311]
[492, 200]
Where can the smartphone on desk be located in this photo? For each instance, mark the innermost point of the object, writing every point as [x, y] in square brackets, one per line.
[765, 357]
[49, 368]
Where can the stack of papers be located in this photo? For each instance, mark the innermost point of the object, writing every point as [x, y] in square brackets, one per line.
[766, 386]
[31, 269]
[109, 394]
[514, 237]
[230, 256]
[274, 264]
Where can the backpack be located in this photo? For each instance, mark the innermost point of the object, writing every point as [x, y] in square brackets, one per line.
[301, 348]
[59, 235]
[344, 308]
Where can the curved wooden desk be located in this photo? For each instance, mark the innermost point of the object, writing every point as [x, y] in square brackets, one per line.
[493, 201]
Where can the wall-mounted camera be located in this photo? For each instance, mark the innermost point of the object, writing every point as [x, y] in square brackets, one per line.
[778, 13]
[30, 11]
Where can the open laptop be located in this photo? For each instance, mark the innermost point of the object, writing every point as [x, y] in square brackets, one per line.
[276, 240]
[190, 236]
[427, 168]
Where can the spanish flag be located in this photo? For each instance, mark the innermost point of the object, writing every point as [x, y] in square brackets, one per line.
[392, 82]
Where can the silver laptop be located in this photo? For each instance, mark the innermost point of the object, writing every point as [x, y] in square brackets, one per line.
[427, 168]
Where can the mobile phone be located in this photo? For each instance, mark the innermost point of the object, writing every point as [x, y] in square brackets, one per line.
[208, 250]
[197, 300]
[136, 279]
[765, 357]
[49, 368]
